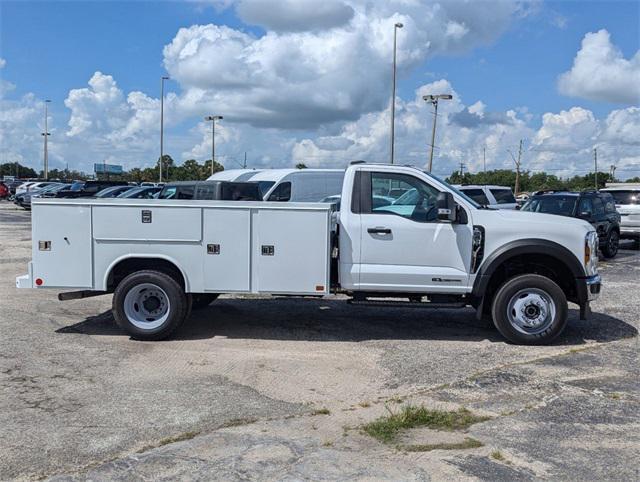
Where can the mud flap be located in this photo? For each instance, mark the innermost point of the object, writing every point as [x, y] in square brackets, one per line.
[585, 311]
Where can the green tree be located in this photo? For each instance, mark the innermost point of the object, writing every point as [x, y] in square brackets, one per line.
[301, 165]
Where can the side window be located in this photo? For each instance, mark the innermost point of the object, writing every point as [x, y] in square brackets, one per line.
[598, 206]
[503, 196]
[609, 204]
[586, 206]
[403, 195]
[168, 193]
[205, 191]
[477, 195]
[185, 192]
[281, 193]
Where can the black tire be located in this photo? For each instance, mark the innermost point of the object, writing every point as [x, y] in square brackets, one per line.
[527, 290]
[611, 244]
[202, 300]
[177, 309]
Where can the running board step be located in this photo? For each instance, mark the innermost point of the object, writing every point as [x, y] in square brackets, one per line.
[407, 304]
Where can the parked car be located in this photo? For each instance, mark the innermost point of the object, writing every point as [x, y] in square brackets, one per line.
[87, 188]
[113, 191]
[497, 197]
[4, 191]
[597, 208]
[627, 199]
[142, 192]
[24, 199]
[211, 190]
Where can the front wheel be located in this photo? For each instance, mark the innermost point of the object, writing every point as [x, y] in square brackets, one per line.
[530, 310]
[149, 305]
[610, 248]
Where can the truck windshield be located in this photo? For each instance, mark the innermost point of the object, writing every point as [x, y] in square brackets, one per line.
[457, 191]
[626, 197]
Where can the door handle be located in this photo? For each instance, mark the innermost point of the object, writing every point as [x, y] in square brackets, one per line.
[379, 230]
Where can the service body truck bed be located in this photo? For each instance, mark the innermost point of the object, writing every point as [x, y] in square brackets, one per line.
[230, 247]
[431, 245]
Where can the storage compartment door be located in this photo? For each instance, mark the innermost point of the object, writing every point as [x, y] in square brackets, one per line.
[62, 246]
[226, 254]
[292, 251]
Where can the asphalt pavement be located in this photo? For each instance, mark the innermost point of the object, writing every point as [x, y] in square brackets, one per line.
[277, 389]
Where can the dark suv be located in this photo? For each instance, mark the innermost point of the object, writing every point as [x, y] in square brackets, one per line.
[598, 208]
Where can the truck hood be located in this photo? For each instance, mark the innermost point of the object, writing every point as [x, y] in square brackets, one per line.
[525, 217]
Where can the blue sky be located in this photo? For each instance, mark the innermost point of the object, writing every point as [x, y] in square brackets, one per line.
[53, 47]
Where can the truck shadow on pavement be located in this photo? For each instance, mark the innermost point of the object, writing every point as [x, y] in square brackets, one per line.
[332, 320]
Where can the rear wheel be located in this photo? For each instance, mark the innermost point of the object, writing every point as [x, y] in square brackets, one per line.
[202, 300]
[530, 310]
[149, 305]
[610, 248]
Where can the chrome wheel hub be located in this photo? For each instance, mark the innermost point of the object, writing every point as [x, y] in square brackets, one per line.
[146, 306]
[531, 311]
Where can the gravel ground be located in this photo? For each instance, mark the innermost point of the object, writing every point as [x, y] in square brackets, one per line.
[236, 394]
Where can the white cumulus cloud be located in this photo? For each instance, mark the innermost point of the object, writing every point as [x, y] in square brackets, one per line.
[600, 72]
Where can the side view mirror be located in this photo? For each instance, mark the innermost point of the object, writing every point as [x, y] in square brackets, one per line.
[446, 207]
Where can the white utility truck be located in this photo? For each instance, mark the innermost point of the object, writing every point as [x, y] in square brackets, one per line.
[433, 248]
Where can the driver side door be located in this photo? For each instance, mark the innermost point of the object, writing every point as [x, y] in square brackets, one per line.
[403, 245]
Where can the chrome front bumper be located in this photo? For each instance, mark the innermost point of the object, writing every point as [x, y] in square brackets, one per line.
[594, 283]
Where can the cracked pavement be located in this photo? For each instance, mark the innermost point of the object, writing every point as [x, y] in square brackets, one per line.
[236, 394]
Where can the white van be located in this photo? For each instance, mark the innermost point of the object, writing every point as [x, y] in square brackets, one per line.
[233, 175]
[299, 185]
[497, 197]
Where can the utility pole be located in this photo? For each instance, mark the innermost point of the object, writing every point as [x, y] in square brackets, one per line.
[595, 162]
[393, 91]
[461, 168]
[162, 79]
[213, 119]
[245, 160]
[46, 135]
[433, 99]
[613, 172]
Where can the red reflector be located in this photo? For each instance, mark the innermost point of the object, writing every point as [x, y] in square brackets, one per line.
[39, 281]
[319, 287]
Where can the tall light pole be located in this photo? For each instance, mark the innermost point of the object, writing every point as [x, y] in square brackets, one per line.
[162, 79]
[433, 99]
[393, 90]
[46, 134]
[213, 119]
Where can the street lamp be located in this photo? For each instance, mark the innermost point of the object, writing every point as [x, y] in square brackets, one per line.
[213, 119]
[393, 89]
[433, 99]
[46, 134]
[162, 79]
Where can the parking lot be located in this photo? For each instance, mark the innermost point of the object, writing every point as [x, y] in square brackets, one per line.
[262, 388]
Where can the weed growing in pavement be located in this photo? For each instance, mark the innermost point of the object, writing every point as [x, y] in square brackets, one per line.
[468, 443]
[321, 411]
[387, 427]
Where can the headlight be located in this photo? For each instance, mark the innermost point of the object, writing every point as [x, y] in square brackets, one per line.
[591, 253]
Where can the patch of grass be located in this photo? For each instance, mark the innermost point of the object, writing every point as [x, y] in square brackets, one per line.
[468, 443]
[497, 455]
[614, 395]
[364, 404]
[321, 411]
[386, 428]
[328, 443]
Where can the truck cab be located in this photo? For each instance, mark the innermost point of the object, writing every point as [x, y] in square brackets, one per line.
[401, 235]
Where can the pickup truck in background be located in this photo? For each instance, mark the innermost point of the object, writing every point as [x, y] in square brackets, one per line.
[437, 248]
